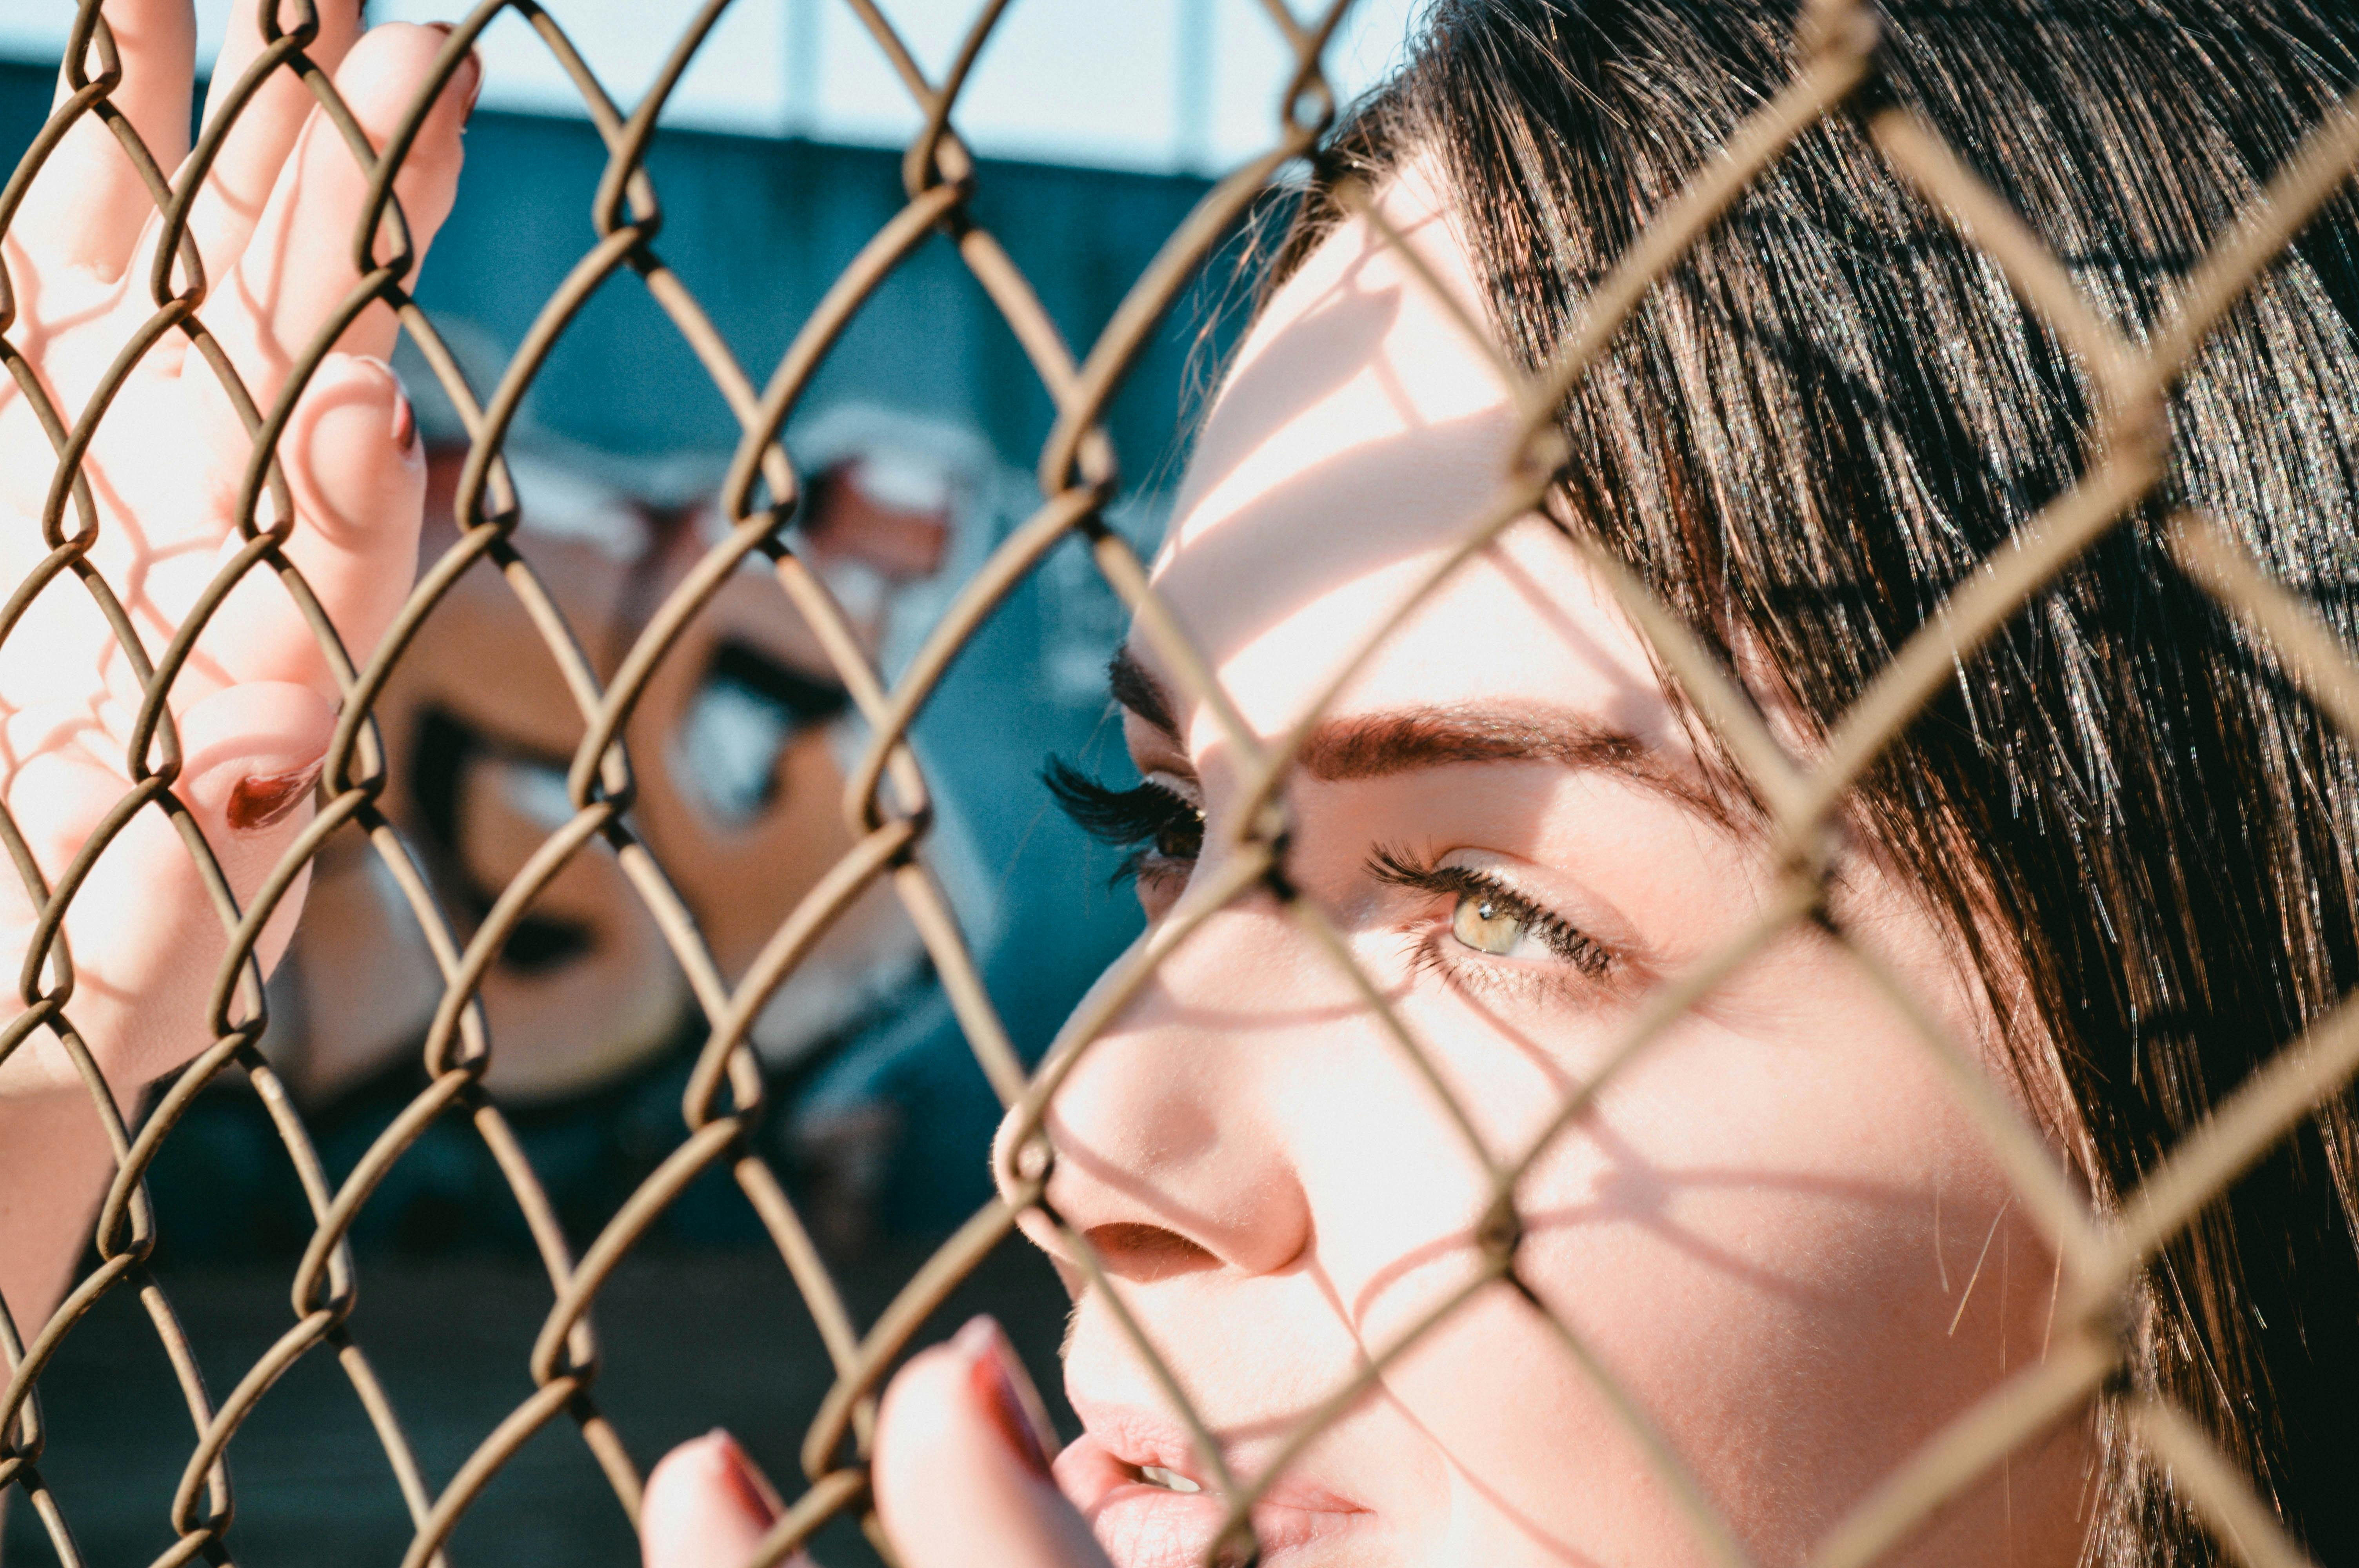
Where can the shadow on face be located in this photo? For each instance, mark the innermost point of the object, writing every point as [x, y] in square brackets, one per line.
[1775, 1230]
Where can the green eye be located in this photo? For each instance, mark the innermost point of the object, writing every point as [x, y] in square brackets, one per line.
[1491, 918]
[1481, 922]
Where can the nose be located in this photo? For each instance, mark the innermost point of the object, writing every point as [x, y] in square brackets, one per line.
[1171, 1154]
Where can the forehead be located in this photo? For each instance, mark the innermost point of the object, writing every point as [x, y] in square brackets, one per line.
[1360, 435]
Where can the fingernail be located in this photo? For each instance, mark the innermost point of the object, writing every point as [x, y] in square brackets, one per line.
[404, 424]
[999, 1380]
[472, 72]
[469, 75]
[737, 1470]
[265, 798]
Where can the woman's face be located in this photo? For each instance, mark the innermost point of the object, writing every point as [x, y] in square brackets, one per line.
[1775, 1229]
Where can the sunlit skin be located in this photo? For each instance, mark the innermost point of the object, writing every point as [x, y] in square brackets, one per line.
[257, 702]
[1778, 1230]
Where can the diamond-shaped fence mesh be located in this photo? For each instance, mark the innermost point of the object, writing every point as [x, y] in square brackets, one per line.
[153, 639]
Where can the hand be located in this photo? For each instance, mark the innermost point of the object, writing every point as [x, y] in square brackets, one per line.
[257, 701]
[961, 1472]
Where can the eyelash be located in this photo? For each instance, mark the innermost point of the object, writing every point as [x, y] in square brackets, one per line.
[1583, 952]
[1162, 829]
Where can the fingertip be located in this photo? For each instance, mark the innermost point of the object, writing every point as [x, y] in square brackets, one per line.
[359, 467]
[365, 381]
[387, 60]
[356, 374]
[954, 1406]
[705, 1506]
[251, 753]
[296, 266]
[1000, 1386]
[466, 79]
[960, 1465]
[405, 428]
[382, 79]
[922, 1409]
[357, 472]
[959, 1394]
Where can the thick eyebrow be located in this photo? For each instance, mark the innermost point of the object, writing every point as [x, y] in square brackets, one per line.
[1380, 745]
[1136, 688]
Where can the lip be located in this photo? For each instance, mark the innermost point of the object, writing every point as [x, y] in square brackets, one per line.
[1146, 1526]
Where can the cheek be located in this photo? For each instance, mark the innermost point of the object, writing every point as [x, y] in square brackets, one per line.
[1786, 1246]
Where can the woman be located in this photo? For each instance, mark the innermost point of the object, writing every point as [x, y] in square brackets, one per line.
[2116, 850]
[2112, 859]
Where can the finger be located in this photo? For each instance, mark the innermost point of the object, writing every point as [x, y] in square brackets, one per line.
[255, 148]
[146, 933]
[961, 1465]
[88, 203]
[358, 471]
[706, 1507]
[358, 474]
[360, 480]
[249, 757]
[297, 272]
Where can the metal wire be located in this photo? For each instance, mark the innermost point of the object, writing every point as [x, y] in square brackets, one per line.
[886, 807]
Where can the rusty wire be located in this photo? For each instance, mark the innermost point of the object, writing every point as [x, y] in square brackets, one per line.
[887, 804]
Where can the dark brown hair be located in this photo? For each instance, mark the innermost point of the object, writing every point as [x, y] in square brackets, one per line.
[1833, 409]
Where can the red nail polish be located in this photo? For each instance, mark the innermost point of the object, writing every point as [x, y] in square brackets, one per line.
[999, 1380]
[404, 424]
[265, 798]
[472, 69]
[753, 1493]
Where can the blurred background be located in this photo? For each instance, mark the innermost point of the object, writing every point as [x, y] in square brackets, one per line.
[1100, 125]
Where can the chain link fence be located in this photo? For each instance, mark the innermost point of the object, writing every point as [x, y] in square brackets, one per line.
[886, 804]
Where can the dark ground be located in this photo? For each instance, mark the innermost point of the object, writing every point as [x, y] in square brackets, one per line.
[691, 1341]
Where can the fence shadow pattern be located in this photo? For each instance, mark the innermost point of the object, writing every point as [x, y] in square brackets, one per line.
[887, 800]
